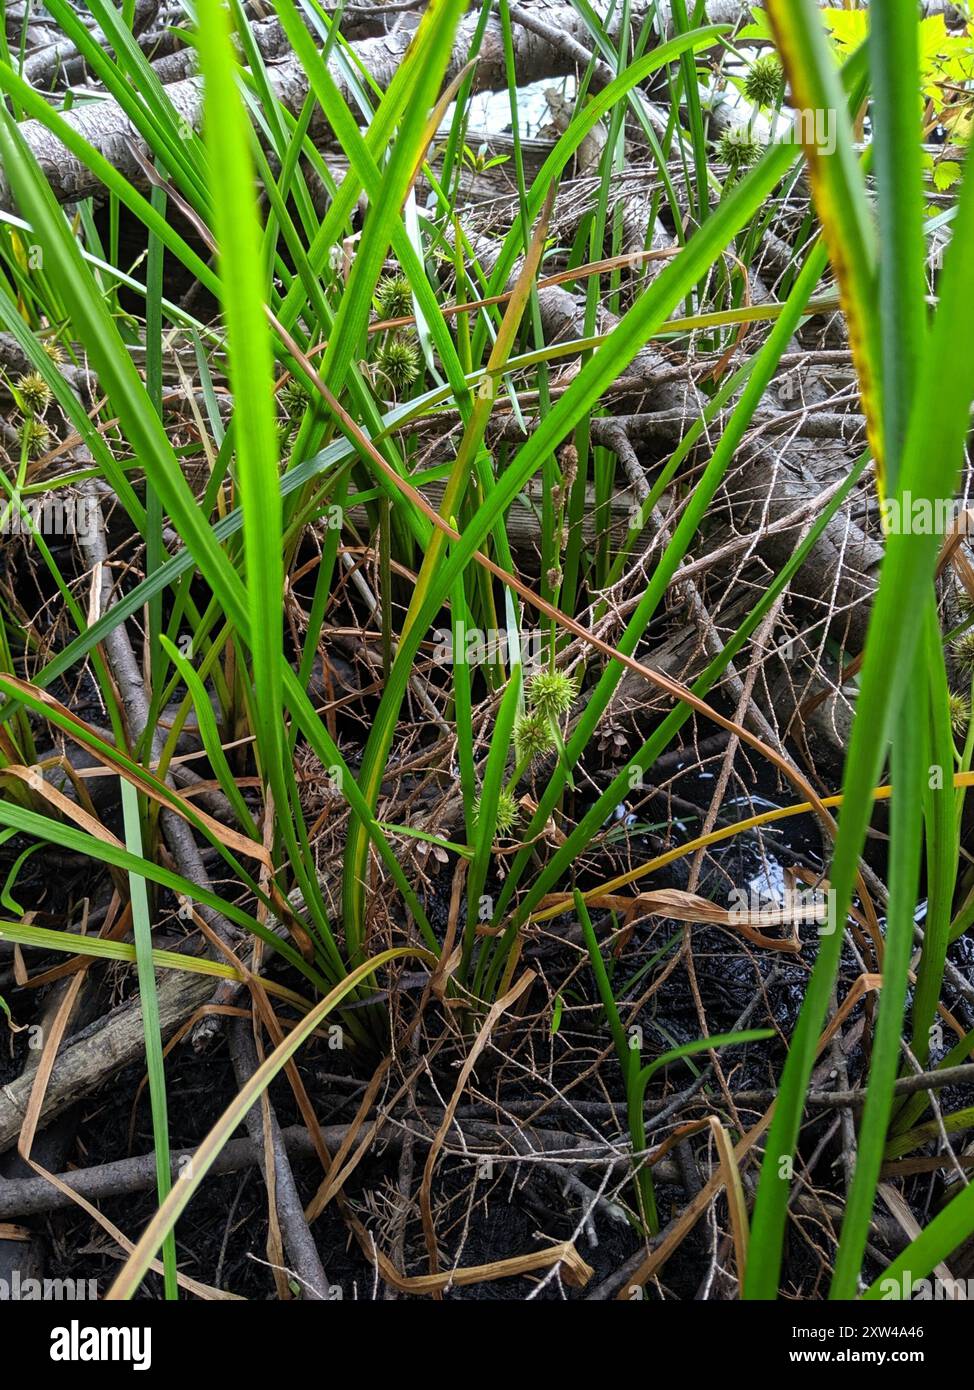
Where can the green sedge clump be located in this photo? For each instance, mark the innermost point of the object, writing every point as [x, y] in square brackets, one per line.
[393, 297]
[34, 437]
[959, 707]
[552, 693]
[507, 812]
[533, 737]
[398, 361]
[963, 649]
[738, 148]
[765, 81]
[34, 392]
[54, 350]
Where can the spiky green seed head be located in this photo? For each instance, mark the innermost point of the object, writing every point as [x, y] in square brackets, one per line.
[507, 812]
[959, 706]
[394, 297]
[398, 361]
[532, 737]
[963, 649]
[551, 693]
[294, 398]
[34, 437]
[965, 603]
[765, 81]
[34, 392]
[54, 350]
[738, 148]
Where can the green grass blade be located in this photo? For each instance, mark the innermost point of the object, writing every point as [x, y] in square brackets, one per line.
[839, 191]
[251, 378]
[909, 770]
[931, 457]
[486, 822]
[894, 66]
[155, 1065]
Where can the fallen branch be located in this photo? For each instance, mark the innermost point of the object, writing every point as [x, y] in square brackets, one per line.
[23, 1197]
